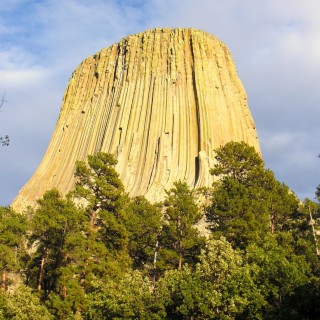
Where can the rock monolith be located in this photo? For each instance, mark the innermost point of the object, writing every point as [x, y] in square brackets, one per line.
[161, 101]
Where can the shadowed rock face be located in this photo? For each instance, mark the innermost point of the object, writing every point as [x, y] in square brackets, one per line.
[161, 101]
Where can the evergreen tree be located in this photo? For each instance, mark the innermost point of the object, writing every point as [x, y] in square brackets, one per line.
[277, 271]
[219, 288]
[305, 233]
[282, 203]
[247, 200]
[304, 302]
[238, 161]
[69, 255]
[96, 250]
[318, 193]
[144, 225]
[52, 223]
[12, 252]
[58, 266]
[98, 186]
[237, 213]
[180, 241]
[98, 183]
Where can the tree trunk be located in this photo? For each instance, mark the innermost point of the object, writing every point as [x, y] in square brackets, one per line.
[180, 243]
[64, 292]
[42, 264]
[272, 224]
[3, 284]
[312, 222]
[93, 220]
[180, 262]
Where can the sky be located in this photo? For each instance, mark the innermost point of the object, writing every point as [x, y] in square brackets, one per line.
[275, 45]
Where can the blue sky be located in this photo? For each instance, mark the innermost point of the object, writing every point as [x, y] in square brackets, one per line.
[275, 45]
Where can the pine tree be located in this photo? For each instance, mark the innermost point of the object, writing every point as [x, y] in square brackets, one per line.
[238, 161]
[144, 225]
[99, 187]
[180, 241]
[12, 233]
[98, 183]
[51, 225]
[101, 193]
[70, 255]
[247, 200]
[318, 193]
[277, 271]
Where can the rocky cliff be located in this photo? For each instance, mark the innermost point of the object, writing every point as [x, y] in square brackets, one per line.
[161, 101]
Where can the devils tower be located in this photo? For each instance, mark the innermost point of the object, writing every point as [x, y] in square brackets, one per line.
[161, 101]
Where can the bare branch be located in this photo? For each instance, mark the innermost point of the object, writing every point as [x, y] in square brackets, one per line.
[3, 100]
[4, 140]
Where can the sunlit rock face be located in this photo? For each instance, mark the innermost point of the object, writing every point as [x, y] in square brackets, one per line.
[161, 101]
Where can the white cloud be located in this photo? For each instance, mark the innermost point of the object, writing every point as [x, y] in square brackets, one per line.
[29, 77]
[13, 58]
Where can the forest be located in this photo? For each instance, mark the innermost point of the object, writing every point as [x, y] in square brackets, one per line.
[247, 248]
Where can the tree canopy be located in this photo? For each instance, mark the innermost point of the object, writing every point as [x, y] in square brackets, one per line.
[99, 254]
[180, 241]
[247, 200]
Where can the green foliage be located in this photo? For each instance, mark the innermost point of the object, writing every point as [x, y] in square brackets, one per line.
[144, 225]
[238, 161]
[219, 288]
[98, 183]
[12, 251]
[99, 187]
[183, 294]
[305, 242]
[111, 257]
[247, 200]
[318, 193]
[277, 271]
[69, 257]
[228, 284]
[57, 234]
[22, 304]
[304, 302]
[237, 213]
[77, 246]
[52, 224]
[131, 297]
[180, 241]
